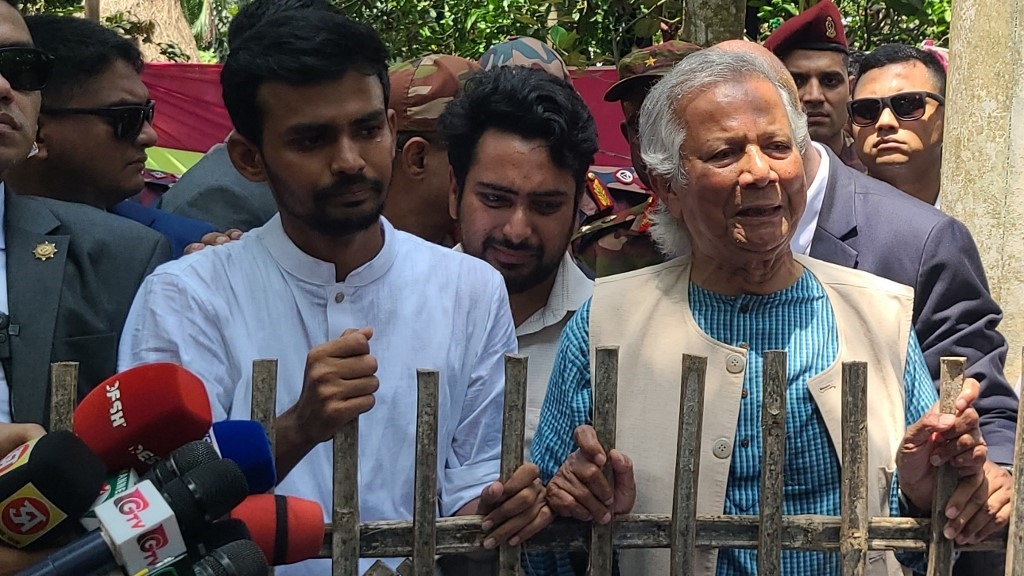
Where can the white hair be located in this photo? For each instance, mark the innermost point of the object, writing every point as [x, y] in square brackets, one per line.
[662, 131]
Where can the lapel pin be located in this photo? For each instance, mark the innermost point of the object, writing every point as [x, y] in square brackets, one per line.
[45, 251]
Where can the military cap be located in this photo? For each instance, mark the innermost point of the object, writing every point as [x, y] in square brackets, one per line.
[820, 27]
[422, 87]
[526, 52]
[647, 63]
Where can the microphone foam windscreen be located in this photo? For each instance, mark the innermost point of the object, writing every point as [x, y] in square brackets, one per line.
[288, 529]
[46, 485]
[246, 443]
[206, 494]
[141, 415]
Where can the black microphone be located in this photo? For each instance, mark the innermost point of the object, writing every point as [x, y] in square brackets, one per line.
[181, 461]
[46, 485]
[241, 558]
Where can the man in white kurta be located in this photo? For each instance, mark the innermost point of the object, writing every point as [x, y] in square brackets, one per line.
[216, 311]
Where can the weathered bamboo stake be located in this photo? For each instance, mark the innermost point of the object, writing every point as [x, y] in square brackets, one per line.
[405, 568]
[513, 424]
[684, 501]
[940, 551]
[264, 397]
[462, 535]
[1015, 547]
[345, 534]
[425, 502]
[63, 393]
[773, 454]
[853, 544]
[605, 396]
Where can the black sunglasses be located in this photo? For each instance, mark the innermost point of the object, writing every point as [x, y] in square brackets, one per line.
[904, 105]
[127, 121]
[25, 69]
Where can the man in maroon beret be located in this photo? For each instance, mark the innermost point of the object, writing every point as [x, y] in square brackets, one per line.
[813, 47]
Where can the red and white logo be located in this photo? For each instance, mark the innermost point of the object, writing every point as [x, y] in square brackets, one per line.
[26, 516]
[129, 505]
[151, 543]
[15, 457]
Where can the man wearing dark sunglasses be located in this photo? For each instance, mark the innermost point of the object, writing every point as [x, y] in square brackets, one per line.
[95, 126]
[897, 113]
[68, 272]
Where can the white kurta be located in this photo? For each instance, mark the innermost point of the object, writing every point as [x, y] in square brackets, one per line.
[262, 297]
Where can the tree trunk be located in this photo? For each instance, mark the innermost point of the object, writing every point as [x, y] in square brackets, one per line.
[92, 10]
[170, 22]
[708, 22]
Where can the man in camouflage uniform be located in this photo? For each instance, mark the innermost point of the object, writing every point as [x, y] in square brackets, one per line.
[418, 199]
[613, 236]
[525, 52]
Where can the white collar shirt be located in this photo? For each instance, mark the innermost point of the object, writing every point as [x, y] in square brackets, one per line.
[216, 311]
[801, 241]
[5, 391]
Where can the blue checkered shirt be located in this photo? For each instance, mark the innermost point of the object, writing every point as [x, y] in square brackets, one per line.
[799, 320]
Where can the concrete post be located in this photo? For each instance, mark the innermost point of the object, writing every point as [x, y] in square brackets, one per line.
[983, 149]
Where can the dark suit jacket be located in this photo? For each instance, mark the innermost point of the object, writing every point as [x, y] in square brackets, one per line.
[179, 230]
[868, 225]
[213, 191]
[71, 307]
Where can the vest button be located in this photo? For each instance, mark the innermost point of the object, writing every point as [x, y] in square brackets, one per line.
[722, 448]
[735, 363]
[339, 297]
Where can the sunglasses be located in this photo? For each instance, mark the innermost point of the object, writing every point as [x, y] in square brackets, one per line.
[25, 69]
[127, 121]
[904, 105]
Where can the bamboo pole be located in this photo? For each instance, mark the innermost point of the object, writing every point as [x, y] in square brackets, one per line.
[1015, 547]
[773, 450]
[853, 544]
[940, 552]
[684, 502]
[513, 425]
[425, 503]
[63, 393]
[380, 569]
[264, 397]
[345, 534]
[605, 395]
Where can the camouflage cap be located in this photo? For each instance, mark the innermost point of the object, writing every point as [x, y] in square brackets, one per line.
[651, 62]
[528, 53]
[422, 87]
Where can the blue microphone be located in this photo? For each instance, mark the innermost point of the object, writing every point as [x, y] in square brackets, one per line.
[246, 443]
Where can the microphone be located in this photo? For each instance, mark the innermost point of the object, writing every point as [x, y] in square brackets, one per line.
[114, 486]
[139, 416]
[144, 528]
[182, 461]
[246, 443]
[46, 485]
[286, 528]
[241, 558]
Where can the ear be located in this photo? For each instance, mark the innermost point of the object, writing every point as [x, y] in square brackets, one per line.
[853, 82]
[392, 129]
[414, 157]
[666, 193]
[246, 157]
[453, 195]
[42, 134]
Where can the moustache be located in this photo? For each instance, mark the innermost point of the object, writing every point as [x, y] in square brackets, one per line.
[346, 184]
[532, 249]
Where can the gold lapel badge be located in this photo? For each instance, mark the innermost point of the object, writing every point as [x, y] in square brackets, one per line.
[45, 251]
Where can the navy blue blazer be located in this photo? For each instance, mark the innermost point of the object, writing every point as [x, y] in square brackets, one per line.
[869, 225]
[179, 230]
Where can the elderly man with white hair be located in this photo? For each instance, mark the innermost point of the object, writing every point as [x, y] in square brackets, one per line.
[722, 138]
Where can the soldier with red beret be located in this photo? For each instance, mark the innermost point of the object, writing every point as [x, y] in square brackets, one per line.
[813, 47]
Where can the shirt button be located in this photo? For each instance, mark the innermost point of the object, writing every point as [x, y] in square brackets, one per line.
[744, 345]
[745, 443]
[722, 448]
[744, 308]
[339, 297]
[735, 363]
[743, 394]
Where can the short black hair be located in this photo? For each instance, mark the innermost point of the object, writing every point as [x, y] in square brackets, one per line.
[527, 102]
[888, 54]
[302, 48]
[82, 50]
[252, 13]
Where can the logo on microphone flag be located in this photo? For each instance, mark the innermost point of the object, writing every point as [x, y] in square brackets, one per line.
[26, 516]
[17, 457]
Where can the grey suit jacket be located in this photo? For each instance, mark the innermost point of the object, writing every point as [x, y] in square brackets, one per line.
[214, 191]
[869, 225]
[71, 307]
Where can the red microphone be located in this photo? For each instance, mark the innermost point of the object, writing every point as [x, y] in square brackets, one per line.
[141, 415]
[287, 529]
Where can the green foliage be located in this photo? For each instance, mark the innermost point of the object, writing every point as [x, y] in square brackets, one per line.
[870, 23]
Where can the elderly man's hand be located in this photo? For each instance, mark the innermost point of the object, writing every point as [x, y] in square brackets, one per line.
[213, 239]
[580, 490]
[936, 439]
[985, 511]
